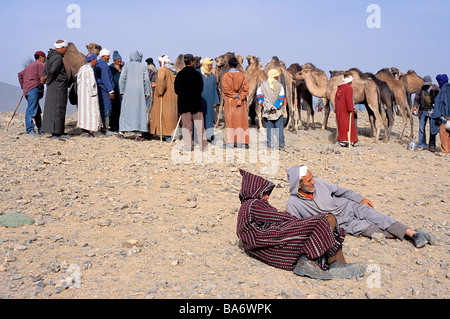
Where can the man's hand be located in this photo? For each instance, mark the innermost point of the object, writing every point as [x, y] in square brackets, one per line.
[367, 202]
[111, 96]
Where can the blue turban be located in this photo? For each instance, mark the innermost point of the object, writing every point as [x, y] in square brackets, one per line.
[116, 56]
[442, 79]
[91, 57]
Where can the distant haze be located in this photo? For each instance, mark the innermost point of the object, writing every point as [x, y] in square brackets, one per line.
[10, 96]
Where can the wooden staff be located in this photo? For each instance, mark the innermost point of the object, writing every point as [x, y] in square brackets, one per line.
[160, 121]
[350, 130]
[176, 130]
[7, 126]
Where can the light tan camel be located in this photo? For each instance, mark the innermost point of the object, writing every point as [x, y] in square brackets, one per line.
[221, 68]
[255, 75]
[286, 79]
[316, 82]
[304, 94]
[400, 97]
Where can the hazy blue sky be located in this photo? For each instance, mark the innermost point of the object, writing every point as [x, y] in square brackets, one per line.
[331, 34]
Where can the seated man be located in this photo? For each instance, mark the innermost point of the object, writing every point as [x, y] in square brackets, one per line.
[354, 213]
[310, 247]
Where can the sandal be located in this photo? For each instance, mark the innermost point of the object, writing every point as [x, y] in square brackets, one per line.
[139, 138]
[88, 135]
[120, 136]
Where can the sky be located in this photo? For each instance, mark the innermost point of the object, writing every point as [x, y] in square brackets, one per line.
[334, 35]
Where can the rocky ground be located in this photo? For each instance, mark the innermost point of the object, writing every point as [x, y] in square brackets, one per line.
[121, 219]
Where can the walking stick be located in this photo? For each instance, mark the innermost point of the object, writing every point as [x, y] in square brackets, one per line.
[7, 126]
[350, 131]
[160, 121]
[176, 130]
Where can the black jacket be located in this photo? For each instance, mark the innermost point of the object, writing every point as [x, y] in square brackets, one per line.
[419, 101]
[189, 88]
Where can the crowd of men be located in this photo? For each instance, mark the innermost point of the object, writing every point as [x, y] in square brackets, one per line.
[131, 97]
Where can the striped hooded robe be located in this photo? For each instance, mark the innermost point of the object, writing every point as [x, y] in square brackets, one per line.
[89, 117]
[278, 238]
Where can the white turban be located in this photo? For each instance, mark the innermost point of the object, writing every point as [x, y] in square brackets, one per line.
[164, 59]
[347, 80]
[302, 171]
[104, 52]
[63, 44]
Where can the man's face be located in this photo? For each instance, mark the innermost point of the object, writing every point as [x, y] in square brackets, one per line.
[307, 183]
[42, 59]
[106, 58]
[94, 62]
[62, 50]
[118, 62]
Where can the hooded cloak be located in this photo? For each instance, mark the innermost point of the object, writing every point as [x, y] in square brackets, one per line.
[134, 84]
[278, 238]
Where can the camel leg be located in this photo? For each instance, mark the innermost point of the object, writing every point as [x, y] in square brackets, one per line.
[220, 114]
[326, 115]
[404, 117]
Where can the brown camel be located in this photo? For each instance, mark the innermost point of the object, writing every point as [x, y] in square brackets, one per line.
[287, 80]
[316, 82]
[255, 75]
[411, 81]
[221, 68]
[179, 63]
[400, 97]
[366, 92]
[94, 48]
[73, 61]
[302, 94]
[386, 100]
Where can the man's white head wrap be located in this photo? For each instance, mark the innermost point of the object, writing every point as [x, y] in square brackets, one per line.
[164, 59]
[63, 44]
[347, 79]
[302, 171]
[104, 52]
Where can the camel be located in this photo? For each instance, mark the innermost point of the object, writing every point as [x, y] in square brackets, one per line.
[73, 61]
[400, 97]
[179, 63]
[366, 92]
[221, 68]
[316, 82]
[287, 80]
[302, 94]
[94, 48]
[255, 75]
[386, 100]
[411, 81]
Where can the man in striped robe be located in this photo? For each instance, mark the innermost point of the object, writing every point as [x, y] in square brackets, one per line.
[89, 117]
[310, 247]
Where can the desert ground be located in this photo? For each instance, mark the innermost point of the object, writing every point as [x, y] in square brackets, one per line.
[121, 219]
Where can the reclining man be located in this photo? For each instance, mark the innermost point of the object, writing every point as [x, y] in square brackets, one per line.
[309, 247]
[354, 213]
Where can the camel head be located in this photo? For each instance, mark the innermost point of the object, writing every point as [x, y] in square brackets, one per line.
[297, 71]
[222, 61]
[252, 59]
[94, 47]
[395, 72]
